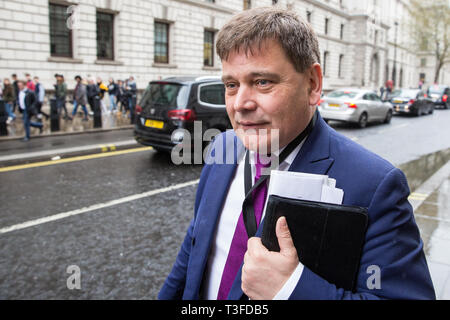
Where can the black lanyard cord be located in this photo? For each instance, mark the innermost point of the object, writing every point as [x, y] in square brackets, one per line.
[247, 207]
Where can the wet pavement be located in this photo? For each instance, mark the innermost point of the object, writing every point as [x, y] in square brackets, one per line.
[66, 126]
[433, 219]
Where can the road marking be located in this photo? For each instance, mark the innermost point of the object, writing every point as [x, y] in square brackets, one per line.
[431, 218]
[73, 159]
[56, 152]
[98, 206]
[394, 127]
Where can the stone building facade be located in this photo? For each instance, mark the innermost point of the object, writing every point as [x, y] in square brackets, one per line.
[153, 39]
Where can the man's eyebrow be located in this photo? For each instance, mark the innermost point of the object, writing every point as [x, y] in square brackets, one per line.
[263, 74]
[256, 74]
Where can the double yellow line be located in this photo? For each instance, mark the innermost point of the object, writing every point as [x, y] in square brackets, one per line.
[104, 154]
[418, 196]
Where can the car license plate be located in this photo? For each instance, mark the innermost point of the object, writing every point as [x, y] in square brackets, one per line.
[334, 105]
[398, 101]
[154, 124]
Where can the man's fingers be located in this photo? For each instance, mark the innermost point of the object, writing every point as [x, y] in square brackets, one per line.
[284, 237]
[255, 246]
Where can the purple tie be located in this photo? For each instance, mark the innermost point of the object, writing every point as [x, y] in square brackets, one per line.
[240, 238]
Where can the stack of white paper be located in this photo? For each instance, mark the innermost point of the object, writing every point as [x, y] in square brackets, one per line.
[304, 186]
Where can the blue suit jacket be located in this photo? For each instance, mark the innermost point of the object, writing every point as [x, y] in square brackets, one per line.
[392, 241]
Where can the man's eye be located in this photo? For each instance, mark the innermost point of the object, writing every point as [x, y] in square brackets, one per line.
[262, 82]
[230, 85]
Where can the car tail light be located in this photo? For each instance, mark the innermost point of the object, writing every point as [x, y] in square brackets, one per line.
[182, 114]
[444, 98]
[351, 105]
[320, 102]
[138, 109]
[425, 95]
[411, 101]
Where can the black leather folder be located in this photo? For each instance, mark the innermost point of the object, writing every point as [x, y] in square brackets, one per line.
[328, 237]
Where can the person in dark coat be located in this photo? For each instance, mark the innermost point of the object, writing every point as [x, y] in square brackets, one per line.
[93, 92]
[9, 97]
[112, 91]
[27, 103]
[80, 98]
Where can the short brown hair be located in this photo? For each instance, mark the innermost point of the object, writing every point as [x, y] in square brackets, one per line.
[252, 27]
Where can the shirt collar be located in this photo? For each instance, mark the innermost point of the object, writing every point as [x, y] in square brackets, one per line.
[289, 159]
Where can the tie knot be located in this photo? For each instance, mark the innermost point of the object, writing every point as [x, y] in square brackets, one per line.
[261, 162]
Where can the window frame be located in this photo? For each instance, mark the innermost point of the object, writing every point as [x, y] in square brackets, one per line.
[71, 54]
[167, 24]
[206, 104]
[326, 55]
[341, 62]
[113, 22]
[213, 32]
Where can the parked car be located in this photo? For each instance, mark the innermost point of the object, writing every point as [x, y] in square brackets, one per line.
[440, 95]
[175, 103]
[412, 101]
[355, 106]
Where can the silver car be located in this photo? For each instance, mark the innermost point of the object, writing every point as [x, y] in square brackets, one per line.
[356, 106]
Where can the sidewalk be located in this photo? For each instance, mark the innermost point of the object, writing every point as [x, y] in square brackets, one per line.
[110, 121]
[431, 204]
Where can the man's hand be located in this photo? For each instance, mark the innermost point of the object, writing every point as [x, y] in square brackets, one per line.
[265, 272]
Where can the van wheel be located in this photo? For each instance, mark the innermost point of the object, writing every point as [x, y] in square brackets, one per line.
[363, 119]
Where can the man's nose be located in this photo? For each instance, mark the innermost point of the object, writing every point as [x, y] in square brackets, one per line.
[244, 100]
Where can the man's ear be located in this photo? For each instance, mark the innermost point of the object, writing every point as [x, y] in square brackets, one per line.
[315, 79]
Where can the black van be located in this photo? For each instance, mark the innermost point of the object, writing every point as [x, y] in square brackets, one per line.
[440, 95]
[175, 103]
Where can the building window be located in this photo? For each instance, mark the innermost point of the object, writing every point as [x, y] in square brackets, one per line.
[325, 60]
[308, 16]
[247, 4]
[342, 31]
[423, 62]
[161, 42]
[208, 48]
[211, 1]
[60, 35]
[274, 2]
[341, 61]
[326, 25]
[105, 36]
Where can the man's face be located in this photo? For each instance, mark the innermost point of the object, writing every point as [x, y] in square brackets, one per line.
[264, 91]
[20, 86]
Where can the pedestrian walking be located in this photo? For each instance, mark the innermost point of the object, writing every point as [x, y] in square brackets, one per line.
[27, 105]
[16, 91]
[39, 90]
[103, 89]
[80, 98]
[9, 96]
[60, 95]
[132, 95]
[93, 92]
[121, 97]
[112, 91]
[30, 83]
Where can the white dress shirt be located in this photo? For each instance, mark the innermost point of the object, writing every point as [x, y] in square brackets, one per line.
[226, 227]
[22, 95]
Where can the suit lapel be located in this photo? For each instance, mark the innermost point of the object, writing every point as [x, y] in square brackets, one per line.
[216, 190]
[313, 157]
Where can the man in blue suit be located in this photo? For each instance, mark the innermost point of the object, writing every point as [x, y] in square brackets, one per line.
[273, 80]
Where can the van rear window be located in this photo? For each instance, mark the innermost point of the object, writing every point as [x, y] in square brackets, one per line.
[169, 95]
